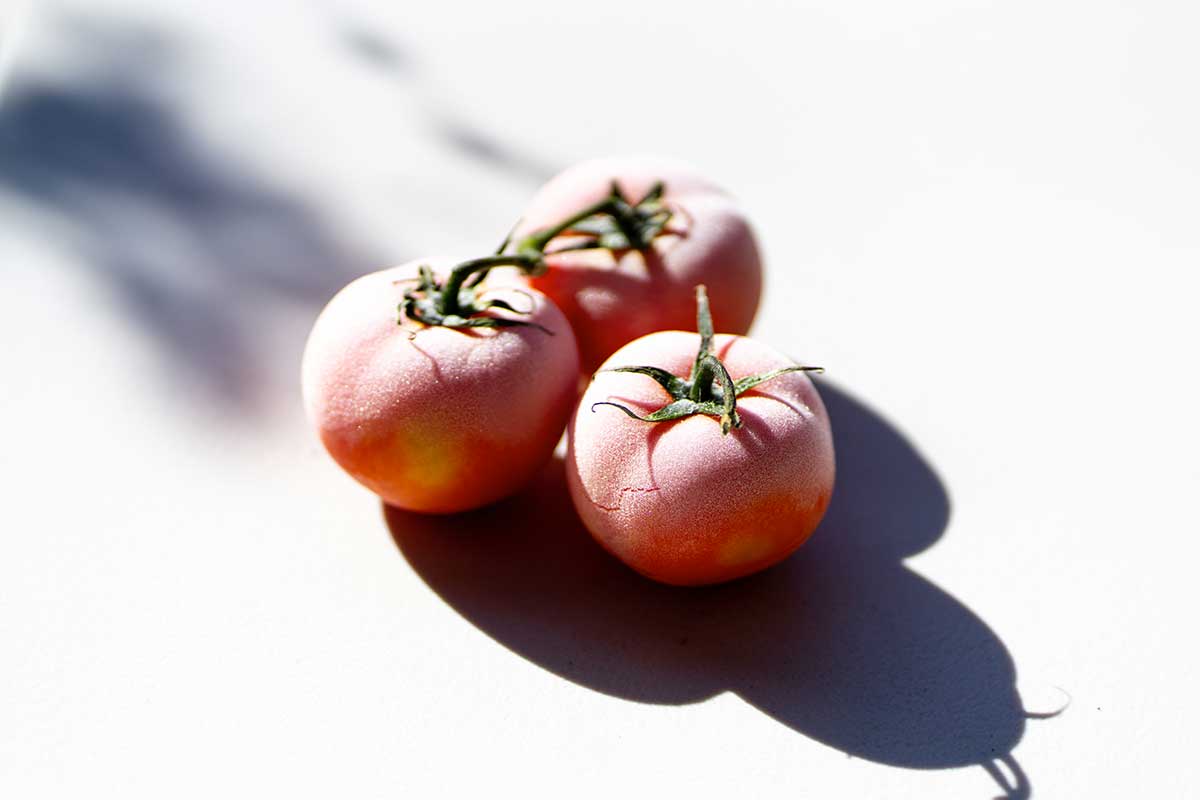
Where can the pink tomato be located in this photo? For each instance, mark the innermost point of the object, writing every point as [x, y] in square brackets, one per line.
[713, 490]
[436, 418]
[612, 297]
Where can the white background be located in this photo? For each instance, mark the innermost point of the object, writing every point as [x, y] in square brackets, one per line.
[981, 218]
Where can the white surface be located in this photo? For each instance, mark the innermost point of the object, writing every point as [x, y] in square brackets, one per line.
[982, 221]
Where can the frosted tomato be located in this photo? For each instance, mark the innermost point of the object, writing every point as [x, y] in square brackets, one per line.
[712, 464]
[452, 404]
[635, 273]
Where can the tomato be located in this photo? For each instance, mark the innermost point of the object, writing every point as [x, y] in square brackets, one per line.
[436, 418]
[701, 496]
[614, 297]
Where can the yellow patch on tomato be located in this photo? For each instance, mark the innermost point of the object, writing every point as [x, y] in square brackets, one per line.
[433, 457]
[744, 550]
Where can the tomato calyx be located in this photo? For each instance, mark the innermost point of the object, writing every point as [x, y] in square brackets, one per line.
[613, 224]
[708, 389]
[455, 305]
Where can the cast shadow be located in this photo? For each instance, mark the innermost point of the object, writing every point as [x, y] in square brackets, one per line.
[204, 253]
[476, 142]
[841, 642]
[374, 48]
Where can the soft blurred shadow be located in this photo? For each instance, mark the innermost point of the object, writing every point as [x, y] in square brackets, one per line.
[194, 248]
[841, 642]
[375, 49]
[463, 134]
[473, 141]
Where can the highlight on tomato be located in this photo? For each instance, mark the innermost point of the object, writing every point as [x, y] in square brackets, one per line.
[627, 274]
[697, 459]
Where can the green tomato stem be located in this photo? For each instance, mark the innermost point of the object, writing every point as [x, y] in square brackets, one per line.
[456, 303]
[709, 389]
[451, 300]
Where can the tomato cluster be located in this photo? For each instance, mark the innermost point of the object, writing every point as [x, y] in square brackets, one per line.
[695, 458]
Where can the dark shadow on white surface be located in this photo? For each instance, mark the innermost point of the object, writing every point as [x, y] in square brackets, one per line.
[842, 642]
[191, 241]
[200, 250]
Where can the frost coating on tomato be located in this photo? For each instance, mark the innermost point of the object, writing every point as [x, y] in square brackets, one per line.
[612, 300]
[436, 419]
[682, 503]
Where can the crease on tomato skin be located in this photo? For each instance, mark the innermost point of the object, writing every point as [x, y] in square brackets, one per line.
[621, 497]
[628, 476]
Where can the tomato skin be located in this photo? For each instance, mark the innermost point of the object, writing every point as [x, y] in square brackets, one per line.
[612, 300]
[678, 501]
[434, 419]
